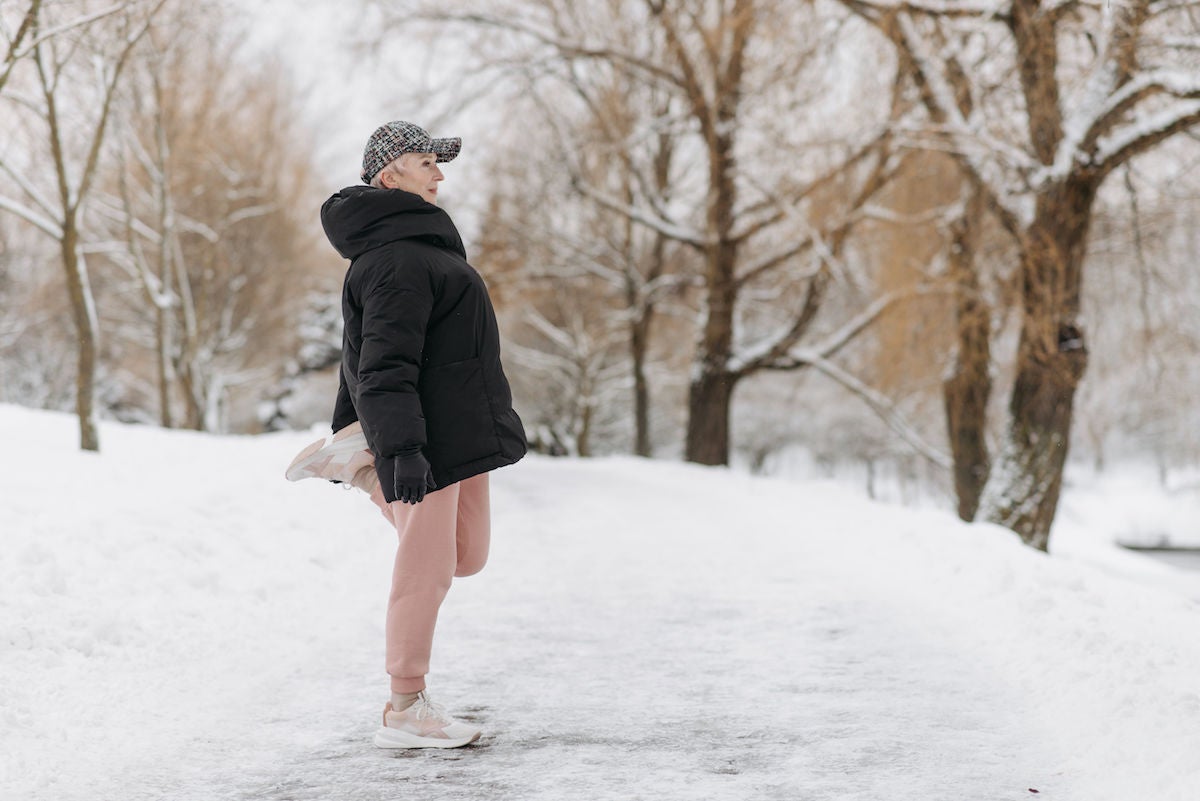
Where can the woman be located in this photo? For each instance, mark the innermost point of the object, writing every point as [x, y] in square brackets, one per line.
[423, 411]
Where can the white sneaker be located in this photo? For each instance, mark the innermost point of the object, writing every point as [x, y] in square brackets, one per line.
[336, 458]
[423, 725]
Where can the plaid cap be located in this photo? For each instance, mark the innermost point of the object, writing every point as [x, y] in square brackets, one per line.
[393, 139]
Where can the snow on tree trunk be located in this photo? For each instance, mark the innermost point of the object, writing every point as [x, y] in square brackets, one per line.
[711, 391]
[1051, 359]
[83, 315]
[1027, 478]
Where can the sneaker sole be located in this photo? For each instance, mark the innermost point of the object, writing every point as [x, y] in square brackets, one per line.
[319, 454]
[394, 738]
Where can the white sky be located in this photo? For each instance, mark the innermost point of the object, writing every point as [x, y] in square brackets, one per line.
[314, 39]
[350, 91]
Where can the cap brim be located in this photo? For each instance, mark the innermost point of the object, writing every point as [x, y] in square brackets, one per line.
[446, 149]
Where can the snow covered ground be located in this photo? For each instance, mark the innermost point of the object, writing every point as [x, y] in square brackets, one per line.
[177, 621]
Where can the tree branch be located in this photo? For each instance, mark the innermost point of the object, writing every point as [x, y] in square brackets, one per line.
[820, 182]
[978, 9]
[14, 52]
[562, 46]
[882, 406]
[28, 188]
[44, 224]
[87, 19]
[670, 230]
[1139, 138]
[93, 157]
[1143, 86]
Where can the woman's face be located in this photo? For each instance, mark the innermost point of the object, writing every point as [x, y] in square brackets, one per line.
[417, 173]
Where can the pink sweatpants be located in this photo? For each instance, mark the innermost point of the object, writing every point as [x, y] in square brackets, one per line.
[445, 535]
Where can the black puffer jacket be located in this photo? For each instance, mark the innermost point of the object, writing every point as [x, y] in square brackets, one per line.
[421, 350]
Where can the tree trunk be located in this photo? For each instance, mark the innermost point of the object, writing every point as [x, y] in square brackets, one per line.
[83, 314]
[1051, 359]
[164, 368]
[711, 388]
[638, 341]
[192, 393]
[166, 227]
[716, 108]
[1030, 466]
[709, 401]
[162, 316]
[968, 389]
[641, 315]
[583, 440]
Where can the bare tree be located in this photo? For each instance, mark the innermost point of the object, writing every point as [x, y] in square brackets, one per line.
[1096, 85]
[575, 367]
[1139, 401]
[35, 353]
[584, 256]
[734, 69]
[200, 200]
[21, 42]
[77, 73]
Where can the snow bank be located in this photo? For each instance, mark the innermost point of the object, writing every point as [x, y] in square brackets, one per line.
[178, 621]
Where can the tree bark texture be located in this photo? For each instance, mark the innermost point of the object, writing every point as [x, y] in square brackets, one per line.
[968, 389]
[84, 318]
[1026, 481]
[711, 390]
[639, 336]
[715, 107]
[709, 401]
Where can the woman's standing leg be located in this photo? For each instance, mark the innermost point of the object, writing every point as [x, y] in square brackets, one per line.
[426, 559]
[474, 534]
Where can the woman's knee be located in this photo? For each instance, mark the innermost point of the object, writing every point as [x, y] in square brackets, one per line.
[470, 565]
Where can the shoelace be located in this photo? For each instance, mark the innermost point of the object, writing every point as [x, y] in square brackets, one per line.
[428, 709]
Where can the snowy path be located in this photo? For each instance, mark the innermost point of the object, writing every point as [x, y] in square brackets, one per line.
[707, 664]
[200, 629]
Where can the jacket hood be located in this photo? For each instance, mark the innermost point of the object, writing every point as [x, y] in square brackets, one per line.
[361, 218]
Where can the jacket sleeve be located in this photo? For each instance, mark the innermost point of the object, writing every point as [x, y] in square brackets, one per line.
[396, 302]
[343, 407]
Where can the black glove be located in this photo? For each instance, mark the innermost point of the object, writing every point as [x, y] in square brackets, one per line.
[405, 477]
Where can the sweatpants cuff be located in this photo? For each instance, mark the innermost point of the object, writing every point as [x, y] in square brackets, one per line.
[412, 684]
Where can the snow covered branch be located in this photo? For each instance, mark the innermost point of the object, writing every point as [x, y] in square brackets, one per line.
[861, 322]
[975, 149]
[981, 9]
[771, 260]
[564, 46]
[107, 208]
[882, 406]
[44, 224]
[15, 52]
[62, 28]
[1145, 134]
[667, 228]
[1165, 6]
[768, 355]
[781, 207]
[29, 189]
[1182, 85]
[109, 93]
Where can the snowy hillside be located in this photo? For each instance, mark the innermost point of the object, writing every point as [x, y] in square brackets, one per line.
[177, 621]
